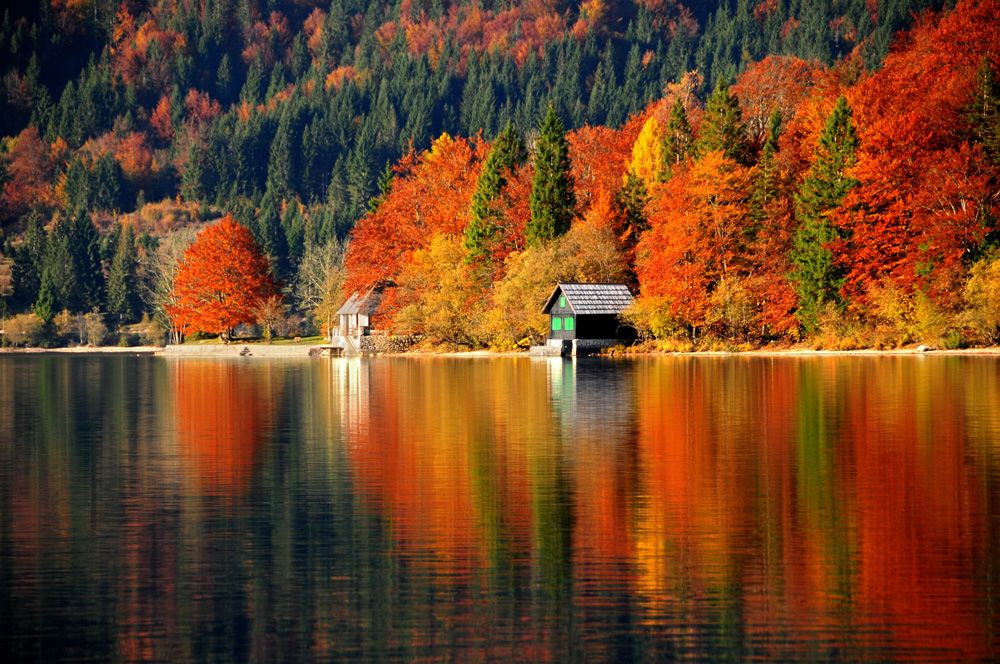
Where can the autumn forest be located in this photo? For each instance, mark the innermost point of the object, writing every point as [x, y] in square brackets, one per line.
[758, 171]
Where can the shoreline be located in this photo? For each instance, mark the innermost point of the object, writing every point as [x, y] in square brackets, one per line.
[252, 350]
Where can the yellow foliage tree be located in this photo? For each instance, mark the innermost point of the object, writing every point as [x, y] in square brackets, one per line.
[982, 293]
[587, 253]
[439, 297]
[647, 151]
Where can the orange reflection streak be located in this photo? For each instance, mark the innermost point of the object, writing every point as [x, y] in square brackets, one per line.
[414, 464]
[223, 412]
[873, 518]
[918, 527]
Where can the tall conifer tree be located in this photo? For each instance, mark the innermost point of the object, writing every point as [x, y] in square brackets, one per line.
[507, 153]
[121, 278]
[765, 181]
[816, 277]
[553, 201]
[722, 126]
[677, 139]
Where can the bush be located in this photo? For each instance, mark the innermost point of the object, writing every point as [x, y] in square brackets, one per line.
[24, 330]
[95, 330]
[148, 332]
[982, 295]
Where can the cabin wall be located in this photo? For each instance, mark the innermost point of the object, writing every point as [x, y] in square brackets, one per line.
[562, 312]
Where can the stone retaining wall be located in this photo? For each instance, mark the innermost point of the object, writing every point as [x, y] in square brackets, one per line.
[383, 343]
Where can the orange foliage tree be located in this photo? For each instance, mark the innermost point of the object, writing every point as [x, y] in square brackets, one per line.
[430, 195]
[917, 214]
[696, 239]
[776, 83]
[222, 279]
[30, 167]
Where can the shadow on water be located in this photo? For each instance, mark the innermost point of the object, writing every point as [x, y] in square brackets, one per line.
[530, 509]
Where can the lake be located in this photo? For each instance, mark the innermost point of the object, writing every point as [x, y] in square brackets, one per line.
[706, 508]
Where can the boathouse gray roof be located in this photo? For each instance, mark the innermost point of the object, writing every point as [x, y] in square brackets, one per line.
[365, 304]
[592, 298]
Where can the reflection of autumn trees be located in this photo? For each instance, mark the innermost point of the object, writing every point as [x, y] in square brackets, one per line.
[751, 500]
[224, 412]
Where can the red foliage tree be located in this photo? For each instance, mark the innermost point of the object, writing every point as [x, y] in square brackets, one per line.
[222, 279]
[161, 120]
[30, 168]
[776, 83]
[917, 212]
[600, 156]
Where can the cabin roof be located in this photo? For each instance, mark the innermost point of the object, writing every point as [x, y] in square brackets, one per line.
[365, 304]
[592, 298]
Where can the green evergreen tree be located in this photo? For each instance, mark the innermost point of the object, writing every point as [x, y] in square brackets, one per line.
[677, 139]
[85, 251]
[765, 180]
[984, 112]
[29, 259]
[192, 180]
[384, 187]
[45, 304]
[721, 126]
[121, 278]
[632, 200]
[553, 200]
[293, 224]
[282, 166]
[76, 187]
[58, 288]
[508, 152]
[815, 275]
[271, 235]
[107, 182]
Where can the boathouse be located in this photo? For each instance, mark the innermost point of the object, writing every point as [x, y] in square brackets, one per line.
[585, 317]
[354, 318]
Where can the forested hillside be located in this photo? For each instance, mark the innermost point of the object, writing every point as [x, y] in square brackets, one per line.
[138, 120]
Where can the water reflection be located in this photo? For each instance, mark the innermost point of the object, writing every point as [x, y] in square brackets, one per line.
[716, 508]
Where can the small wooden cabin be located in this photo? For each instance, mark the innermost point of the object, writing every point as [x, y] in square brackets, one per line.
[588, 311]
[354, 318]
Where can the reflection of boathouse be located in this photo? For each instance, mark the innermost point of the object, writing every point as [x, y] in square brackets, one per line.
[585, 318]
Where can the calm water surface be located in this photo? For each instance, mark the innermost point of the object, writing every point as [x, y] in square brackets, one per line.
[833, 508]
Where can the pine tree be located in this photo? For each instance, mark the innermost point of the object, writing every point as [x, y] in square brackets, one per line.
[721, 126]
[295, 236]
[58, 288]
[816, 277]
[272, 238]
[631, 200]
[553, 200]
[29, 259]
[766, 178]
[121, 278]
[76, 195]
[677, 140]
[85, 250]
[984, 112]
[45, 304]
[384, 187]
[507, 153]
